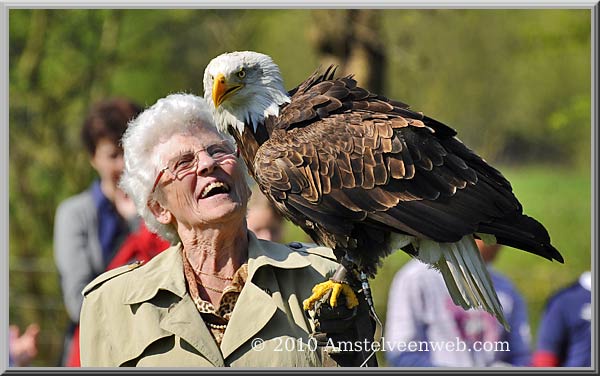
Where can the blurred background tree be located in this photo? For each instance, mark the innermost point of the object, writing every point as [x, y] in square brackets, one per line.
[516, 85]
[351, 39]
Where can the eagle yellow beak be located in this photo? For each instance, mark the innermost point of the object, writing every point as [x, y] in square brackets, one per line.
[222, 90]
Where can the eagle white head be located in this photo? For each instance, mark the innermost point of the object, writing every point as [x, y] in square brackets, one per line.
[243, 88]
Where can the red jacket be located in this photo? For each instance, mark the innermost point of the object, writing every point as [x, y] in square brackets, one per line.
[141, 245]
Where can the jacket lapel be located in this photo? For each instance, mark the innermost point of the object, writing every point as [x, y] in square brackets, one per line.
[184, 321]
[252, 312]
[255, 307]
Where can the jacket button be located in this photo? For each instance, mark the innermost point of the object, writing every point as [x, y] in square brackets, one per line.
[135, 264]
[295, 245]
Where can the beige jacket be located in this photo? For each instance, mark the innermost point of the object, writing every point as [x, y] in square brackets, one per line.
[144, 316]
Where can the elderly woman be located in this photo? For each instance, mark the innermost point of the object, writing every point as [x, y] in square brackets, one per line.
[217, 296]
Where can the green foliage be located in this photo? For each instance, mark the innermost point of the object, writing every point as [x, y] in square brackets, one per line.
[498, 76]
[514, 83]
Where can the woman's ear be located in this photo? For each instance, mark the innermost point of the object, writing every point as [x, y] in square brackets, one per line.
[161, 214]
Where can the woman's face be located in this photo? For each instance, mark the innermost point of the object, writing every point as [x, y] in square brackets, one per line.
[108, 161]
[214, 192]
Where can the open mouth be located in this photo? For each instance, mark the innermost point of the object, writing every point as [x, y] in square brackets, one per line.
[213, 189]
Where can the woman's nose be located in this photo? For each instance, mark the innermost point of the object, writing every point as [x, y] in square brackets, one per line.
[119, 163]
[206, 164]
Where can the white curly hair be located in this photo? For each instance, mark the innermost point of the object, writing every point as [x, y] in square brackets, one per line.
[174, 114]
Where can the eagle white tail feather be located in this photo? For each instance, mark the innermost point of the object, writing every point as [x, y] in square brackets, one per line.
[464, 273]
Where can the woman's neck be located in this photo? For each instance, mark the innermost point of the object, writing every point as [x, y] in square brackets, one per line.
[216, 251]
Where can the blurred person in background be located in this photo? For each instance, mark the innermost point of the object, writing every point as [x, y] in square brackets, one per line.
[140, 246]
[22, 347]
[263, 220]
[565, 332]
[90, 227]
[421, 309]
[217, 290]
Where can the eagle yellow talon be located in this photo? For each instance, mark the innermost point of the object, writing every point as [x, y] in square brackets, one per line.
[336, 288]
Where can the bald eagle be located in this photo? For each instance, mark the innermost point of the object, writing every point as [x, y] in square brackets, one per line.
[366, 175]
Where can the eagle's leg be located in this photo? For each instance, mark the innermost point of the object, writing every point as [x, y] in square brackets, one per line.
[337, 285]
[367, 290]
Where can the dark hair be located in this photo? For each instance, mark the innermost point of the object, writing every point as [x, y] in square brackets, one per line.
[107, 119]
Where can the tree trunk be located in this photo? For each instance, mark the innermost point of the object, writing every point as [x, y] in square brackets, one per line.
[351, 39]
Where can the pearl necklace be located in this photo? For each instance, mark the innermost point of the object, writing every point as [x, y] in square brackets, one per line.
[216, 326]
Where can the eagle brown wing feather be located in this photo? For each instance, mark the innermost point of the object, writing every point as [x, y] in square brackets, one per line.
[339, 154]
[369, 175]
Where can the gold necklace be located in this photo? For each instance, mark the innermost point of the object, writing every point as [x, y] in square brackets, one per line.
[211, 288]
[216, 275]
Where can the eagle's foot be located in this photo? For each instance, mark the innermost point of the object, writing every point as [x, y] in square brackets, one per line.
[336, 288]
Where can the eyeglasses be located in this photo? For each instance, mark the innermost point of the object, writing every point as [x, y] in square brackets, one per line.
[187, 163]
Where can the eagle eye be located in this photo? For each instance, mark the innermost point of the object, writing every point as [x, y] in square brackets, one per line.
[241, 73]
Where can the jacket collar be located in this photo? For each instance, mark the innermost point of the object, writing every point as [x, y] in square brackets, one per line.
[276, 255]
[586, 280]
[254, 308]
[165, 271]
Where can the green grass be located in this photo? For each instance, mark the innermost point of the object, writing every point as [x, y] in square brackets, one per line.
[560, 198]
